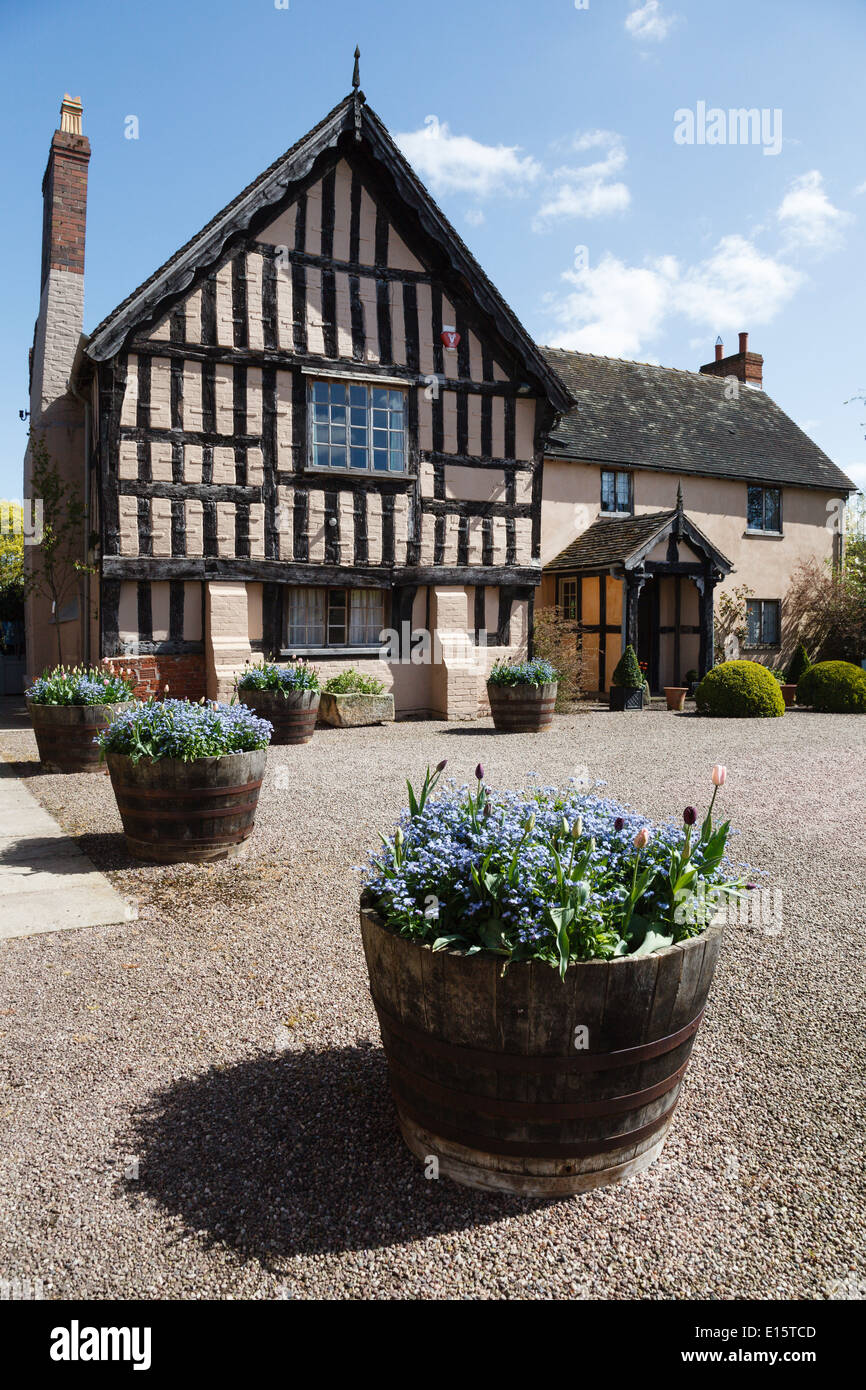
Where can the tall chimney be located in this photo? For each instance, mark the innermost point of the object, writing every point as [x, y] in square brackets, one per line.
[64, 215]
[746, 366]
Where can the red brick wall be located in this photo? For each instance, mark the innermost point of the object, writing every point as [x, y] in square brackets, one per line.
[64, 190]
[184, 675]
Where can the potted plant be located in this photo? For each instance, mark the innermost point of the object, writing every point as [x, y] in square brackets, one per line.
[676, 696]
[627, 683]
[522, 695]
[691, 680]
[351, 699]
[68, 707]
[186, 777]
[797, 667]
[539, 964]
[287, 696]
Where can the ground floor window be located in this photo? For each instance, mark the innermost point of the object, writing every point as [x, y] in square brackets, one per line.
[762, 622]
[319, 617]
[568, 598]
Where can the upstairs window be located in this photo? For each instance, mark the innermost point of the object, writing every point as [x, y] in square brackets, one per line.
[764, 510]
[318, 617]
[762, 622]
[616, 492]
[357, 428]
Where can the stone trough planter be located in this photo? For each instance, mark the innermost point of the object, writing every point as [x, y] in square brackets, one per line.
[524, 709]
[175, 811]
[489, 1073]
[352, 710]
[65, 734]
[292, 714]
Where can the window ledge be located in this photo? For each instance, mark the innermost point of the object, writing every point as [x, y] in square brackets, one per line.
[322, 652]
[764, 535]
[616, 516]
[358, 473]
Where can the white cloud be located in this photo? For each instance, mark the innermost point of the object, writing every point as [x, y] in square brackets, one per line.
[648, 22]
[475, 217]
[735, 284]
[860, 189]
[808, 219]
[587, 190]
[614, 308]
[460, 164]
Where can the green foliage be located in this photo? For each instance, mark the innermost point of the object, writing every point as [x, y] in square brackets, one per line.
[61, 556]
[79, 685]
[798, 665]
[262, 675]
[740, 690]
[12, 581]
[558, 639]
[155, 729]
[353, 682]
[834, 687]
[537, 672]
[627, 671]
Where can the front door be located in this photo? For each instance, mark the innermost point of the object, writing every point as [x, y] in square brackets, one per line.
[647, 633]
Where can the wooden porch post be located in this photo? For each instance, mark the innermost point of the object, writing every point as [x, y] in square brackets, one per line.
[706, 584]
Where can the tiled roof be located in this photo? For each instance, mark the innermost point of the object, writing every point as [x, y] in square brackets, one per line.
[618, 540]
[681, 422]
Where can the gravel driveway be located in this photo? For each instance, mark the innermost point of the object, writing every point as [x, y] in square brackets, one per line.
[194, 1105]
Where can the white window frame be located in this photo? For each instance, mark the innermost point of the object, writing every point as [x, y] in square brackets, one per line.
[353, 602]
[390, 385]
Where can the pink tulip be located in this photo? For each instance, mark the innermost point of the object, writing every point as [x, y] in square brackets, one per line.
[719, 774]
[642, 838]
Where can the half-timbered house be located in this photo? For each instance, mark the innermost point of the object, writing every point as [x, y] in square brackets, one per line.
[318, 430]
[317, 422]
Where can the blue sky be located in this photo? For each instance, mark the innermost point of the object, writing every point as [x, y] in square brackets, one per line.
[540, 128]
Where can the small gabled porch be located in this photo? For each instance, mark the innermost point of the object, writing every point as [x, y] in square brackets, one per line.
[648, 580]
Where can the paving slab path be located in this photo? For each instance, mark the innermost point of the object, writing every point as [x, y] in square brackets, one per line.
[46, 883]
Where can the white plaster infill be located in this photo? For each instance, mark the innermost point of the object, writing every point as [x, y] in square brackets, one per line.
[46, 883]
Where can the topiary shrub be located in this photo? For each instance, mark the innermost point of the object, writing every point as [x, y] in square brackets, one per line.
[798, 666]
[627, 671]
[740, 690]
[834, 687]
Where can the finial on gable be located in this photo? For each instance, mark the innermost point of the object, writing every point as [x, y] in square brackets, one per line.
[356, 73]
[679, 497]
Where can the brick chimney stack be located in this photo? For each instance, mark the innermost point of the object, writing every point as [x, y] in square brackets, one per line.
[746, 366]
[61, 301]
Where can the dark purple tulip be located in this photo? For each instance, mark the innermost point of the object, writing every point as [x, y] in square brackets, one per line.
[690, 815]
[619, 823]
[440, 767]
[751, 886]
[479, 772]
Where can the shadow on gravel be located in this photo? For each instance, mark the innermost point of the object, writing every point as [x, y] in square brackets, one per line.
[31, 768]
[296, 1154]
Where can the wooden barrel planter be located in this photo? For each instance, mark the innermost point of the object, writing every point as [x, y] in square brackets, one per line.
[495, 1076]
[293, 715]
[65, 734]
[174, 811]
[526, 709]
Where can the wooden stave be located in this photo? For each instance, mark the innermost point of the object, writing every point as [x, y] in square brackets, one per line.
[65, 733]
[229, 786]
[293, 716]
[674, 983]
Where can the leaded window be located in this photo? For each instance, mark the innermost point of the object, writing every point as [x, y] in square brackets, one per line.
[762, 622]
[357, 427]
[616, 491]
[764, 509]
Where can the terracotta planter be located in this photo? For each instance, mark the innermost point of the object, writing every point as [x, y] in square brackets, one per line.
[626, 697]
[65, 734]
[485, 1071]
[789, 693]
[293, 715]
[351, 710]
[174, 811]
[676, 696]
[526, 709]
